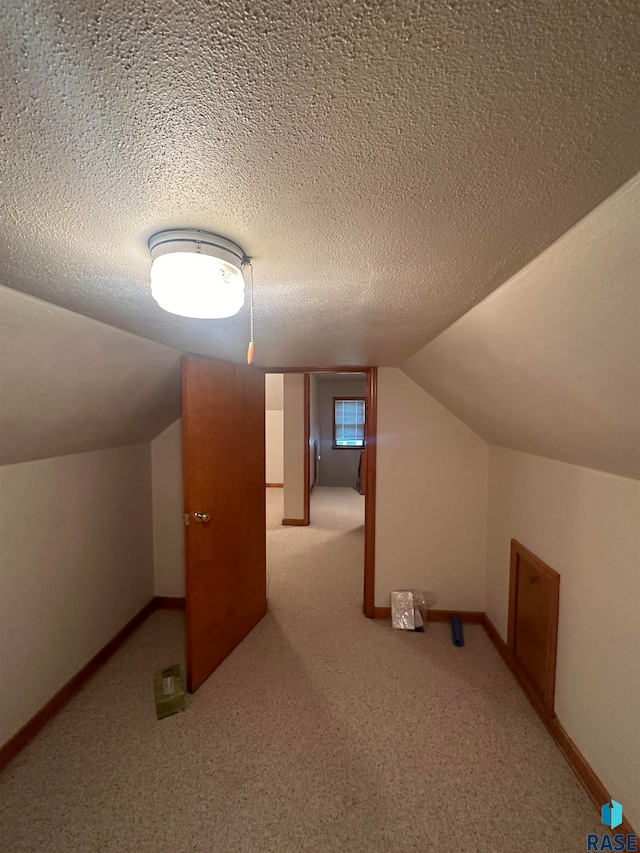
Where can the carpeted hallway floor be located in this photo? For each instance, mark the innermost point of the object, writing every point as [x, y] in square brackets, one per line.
[323, 731]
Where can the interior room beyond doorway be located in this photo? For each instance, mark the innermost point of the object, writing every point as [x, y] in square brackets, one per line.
[316, 455]
[337, 421]
[316, 420]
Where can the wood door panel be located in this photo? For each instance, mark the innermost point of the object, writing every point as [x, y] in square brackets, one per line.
[223, 450]
[533, 620]
[531, 627]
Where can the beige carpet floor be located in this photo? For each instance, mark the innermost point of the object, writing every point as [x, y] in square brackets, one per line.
[323, 731]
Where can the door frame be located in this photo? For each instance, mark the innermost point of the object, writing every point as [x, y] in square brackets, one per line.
[371, 438]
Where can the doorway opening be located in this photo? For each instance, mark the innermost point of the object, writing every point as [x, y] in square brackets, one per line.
[320, 427]
[223, 439]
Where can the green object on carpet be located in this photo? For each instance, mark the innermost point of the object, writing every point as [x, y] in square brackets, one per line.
[169, 691]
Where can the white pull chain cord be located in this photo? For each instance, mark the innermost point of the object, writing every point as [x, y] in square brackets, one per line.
[251, 348]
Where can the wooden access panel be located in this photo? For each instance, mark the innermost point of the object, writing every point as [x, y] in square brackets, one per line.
[225, 537]
[534, 594]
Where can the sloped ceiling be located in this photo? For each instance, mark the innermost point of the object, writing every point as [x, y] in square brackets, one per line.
[70, 384]
[550, 363]
[386, 164]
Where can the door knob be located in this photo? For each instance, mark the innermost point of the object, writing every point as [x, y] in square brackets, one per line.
[201, 516]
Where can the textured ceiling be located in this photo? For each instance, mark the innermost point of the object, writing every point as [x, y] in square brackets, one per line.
[386, 164]
[69, 384]
[550, 363]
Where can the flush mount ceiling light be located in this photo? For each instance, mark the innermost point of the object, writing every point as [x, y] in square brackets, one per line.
[197, 274]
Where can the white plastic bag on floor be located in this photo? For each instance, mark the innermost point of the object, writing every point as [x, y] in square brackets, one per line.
[405, 610]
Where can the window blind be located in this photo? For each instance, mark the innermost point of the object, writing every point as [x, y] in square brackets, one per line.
[349, 423]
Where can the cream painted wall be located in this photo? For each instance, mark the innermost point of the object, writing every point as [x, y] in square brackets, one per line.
[586, 525]
[76, 564]
[168, 527]
[274, 446]
[69, 384]
[274, 391]
[549, 363]
[294, 445]
[431, 498]
[337, 467]
[274, 427]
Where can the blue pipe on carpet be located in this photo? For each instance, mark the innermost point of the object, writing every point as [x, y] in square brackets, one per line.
[457, 637]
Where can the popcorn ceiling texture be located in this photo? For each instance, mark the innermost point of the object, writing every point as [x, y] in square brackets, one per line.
[386, 164]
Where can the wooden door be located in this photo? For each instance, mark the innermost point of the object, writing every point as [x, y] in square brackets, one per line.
[225, 537]
[533, 620]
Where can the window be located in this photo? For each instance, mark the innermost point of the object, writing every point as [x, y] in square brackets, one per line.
[348, 421]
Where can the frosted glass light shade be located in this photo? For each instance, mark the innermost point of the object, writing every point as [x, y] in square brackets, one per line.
[197, 285]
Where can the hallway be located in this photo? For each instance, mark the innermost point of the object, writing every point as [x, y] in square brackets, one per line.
[323, 731]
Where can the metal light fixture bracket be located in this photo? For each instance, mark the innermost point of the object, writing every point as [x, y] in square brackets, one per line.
[199, 242]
